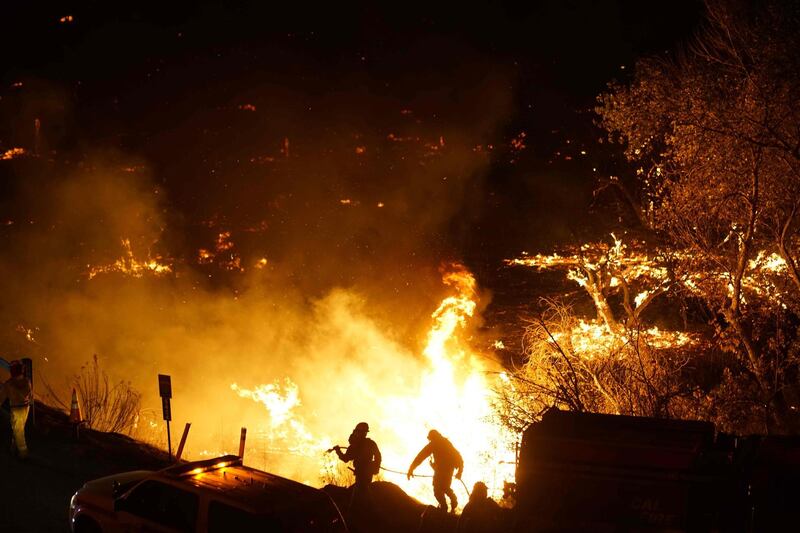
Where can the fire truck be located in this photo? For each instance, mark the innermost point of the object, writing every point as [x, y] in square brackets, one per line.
[594, 472]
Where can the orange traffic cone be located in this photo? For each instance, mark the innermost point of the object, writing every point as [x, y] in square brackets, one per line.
[75, 417]
[75, 409]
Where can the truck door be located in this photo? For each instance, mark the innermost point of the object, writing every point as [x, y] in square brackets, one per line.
[153, 506]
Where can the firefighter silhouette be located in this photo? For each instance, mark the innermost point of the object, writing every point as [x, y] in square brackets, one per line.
[481, 514]
[366, 458]
[446, 461]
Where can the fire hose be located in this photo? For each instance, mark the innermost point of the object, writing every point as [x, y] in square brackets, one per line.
[401, 473]
[329, 450]
[425, 475]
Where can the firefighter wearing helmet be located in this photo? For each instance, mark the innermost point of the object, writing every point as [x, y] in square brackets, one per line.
[17, 390]
[446, 461]
[366, 458]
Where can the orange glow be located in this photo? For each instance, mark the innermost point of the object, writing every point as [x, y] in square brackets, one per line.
[13, 153]
[224, 242]
[615, 262]
[224, 255]
[205, 257]
[453, 393]
[129, 265]
[518, 142]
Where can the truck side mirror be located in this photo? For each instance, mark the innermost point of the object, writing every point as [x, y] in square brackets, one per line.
[120, 503]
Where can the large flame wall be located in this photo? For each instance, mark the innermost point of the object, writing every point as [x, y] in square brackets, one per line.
[450, 390]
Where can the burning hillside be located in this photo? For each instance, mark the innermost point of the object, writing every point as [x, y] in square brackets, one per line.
[309, 220]
[292, 293]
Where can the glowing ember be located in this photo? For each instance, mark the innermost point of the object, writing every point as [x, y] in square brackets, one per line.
[13, 153]
[223, 254]
[224, 242]
[129, 265]
[28, 332]
[205, 257]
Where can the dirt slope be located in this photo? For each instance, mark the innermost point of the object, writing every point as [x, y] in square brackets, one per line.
[35, 493]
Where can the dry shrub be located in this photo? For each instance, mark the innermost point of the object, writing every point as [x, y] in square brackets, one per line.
[335, 472]
[109, 408]
[619, 374]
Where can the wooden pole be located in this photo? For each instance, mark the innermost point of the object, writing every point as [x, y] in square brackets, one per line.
[242, 440]
[179, 453]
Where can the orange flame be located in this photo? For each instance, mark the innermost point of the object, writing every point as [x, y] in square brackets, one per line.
[454, 394]
[129, 265]
[12, 153]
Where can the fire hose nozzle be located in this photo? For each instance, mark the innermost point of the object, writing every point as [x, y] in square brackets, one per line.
[329, 450]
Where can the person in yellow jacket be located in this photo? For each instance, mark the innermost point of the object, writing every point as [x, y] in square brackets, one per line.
[18, 391]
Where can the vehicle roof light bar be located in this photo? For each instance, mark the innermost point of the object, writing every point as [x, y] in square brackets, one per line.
[199, 467]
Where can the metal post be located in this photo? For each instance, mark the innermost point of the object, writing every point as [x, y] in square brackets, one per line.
[169, 442]
[165, 391]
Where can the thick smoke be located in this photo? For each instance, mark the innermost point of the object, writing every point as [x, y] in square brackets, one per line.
[353, 208]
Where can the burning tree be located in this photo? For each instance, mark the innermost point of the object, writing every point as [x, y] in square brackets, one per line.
[713, 139]
[713, 176]
[616, 362]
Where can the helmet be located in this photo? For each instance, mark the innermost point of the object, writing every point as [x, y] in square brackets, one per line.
[433, 434]
[479, 491]
[361, 427]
